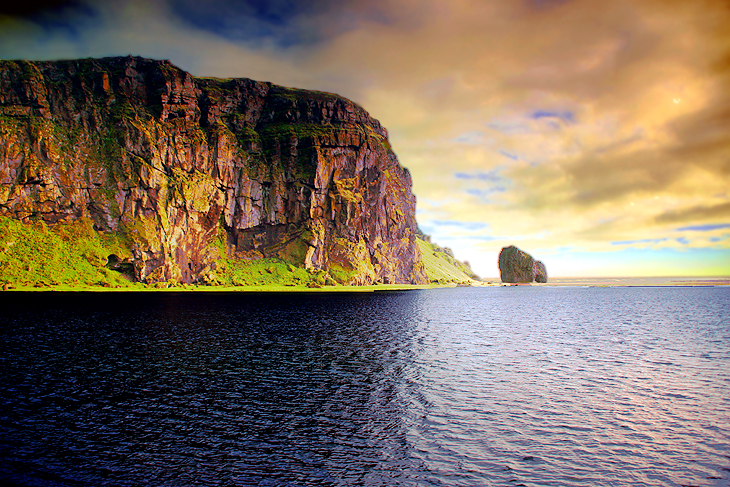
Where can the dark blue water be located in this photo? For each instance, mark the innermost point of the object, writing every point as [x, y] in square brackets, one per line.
[470, 386]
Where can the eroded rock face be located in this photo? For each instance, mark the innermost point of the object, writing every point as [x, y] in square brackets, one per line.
[540, 272]
[186, 168]
[516, 266]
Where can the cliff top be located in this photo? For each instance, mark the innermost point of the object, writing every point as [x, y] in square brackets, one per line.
[151, 82]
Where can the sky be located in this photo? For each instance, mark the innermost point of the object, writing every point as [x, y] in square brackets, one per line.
[594, 135]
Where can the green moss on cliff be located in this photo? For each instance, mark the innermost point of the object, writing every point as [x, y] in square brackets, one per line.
[267, 272]
[346, 188]
[296, 94]
[300, 130]
[350, 262]
[66, 254]
[287, 271]
[342, 275]
[281, 140]
[295, 251]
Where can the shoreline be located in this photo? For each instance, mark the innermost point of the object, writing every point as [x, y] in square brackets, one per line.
[225, 289]
[556, 282]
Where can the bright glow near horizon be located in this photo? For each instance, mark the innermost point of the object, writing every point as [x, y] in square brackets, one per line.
[592, 135]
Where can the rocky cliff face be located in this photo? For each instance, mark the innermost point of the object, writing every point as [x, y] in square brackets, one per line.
[516, 266]
[186, 168]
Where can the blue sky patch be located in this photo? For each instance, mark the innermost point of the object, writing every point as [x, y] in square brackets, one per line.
[472, 138]
[509, 155]
[485, 184]
[492, 175]
[509, 128]
[642, 241]
[481, 238]
[460, 224]
[564, 116]
[704, 228]
[483, 193]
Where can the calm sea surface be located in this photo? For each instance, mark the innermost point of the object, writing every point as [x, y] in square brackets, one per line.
[458, 387]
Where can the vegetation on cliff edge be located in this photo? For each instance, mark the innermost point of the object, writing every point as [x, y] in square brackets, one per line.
[441, 266]
[36, 255]
[74, 255]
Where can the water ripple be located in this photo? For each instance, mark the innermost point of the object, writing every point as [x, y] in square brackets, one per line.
[466, 387]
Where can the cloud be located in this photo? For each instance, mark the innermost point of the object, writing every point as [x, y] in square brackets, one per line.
[285, 23]
[696, 213]
[42, 10]
[563, 123]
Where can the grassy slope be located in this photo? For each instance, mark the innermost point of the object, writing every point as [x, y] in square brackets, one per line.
[441, 267]
[34, 255]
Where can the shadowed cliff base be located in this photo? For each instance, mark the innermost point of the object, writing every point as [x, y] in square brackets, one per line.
[161, 177]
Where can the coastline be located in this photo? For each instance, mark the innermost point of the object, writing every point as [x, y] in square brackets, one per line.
[226, 289]
[555, 282]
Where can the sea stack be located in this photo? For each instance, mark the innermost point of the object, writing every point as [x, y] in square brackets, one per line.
[516, 266]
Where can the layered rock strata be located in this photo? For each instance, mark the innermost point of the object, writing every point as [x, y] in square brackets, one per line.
[187, 169]
[516, 266]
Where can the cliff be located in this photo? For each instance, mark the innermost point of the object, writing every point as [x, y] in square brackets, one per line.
[187, 172]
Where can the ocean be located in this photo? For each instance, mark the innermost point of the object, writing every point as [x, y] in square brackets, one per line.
[492, 386]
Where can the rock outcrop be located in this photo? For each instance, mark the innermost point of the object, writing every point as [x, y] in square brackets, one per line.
[540, 272]
[186, 168]
[516, 266]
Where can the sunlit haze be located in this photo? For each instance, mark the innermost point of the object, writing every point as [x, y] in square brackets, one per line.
[594, 135]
